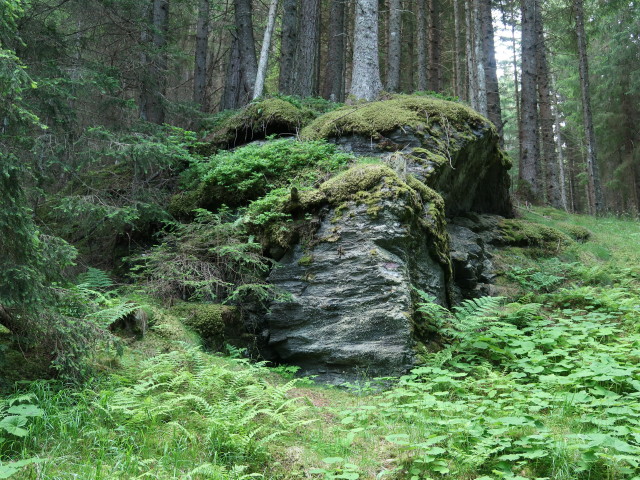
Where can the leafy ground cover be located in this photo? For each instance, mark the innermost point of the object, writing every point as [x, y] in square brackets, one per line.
[542, 383]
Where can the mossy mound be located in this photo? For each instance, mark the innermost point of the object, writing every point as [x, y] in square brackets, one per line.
[446, 145]
[210, 321]
[377, 118]
[271, 116]
[578, 233]
[520, 233]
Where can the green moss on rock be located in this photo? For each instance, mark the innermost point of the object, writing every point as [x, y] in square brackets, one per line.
[255, 121]
[375, 118]
[207, 319]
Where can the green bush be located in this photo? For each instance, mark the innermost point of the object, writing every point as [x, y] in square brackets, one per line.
[236, 177]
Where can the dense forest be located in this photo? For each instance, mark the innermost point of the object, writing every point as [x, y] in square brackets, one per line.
[158, 158]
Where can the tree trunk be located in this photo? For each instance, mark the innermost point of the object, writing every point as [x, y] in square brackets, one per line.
[246, 46]
[479, 58]
[234, 94]
[154, 83]
[365, 80]
[408, 67]
[288, 44]
[561, 170]
[549, 158]
[308, 51]
[264, 53]
[421, 44]
[529, 187]
[494, 111]
[472, 71]
[457, 53]
[202, 47]
[595, 191]
[333, 88]
[434, 74]
[395, 45]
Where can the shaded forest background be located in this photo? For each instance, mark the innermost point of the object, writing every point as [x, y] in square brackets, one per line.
[103, 66]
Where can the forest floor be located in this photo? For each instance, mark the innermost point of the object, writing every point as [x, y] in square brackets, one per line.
[543, 383]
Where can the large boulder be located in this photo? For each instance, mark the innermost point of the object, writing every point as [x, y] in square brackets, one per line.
[351, 307]
[357, 247]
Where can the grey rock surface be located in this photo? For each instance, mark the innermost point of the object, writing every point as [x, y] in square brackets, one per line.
[351, 310]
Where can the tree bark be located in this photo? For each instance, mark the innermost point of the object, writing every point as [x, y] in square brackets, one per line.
[472, 71]
[333, 88]
[154, 84]
[549, 159]
[434, 74]
[479, 58]
[458, 71]
[234, 94]
[561, 170]
[308, 53]
[421, 44]
[202, 47]
[395, 45]
[595, 190]
[494, 111]
[529, 174]
[246, 45]
[264, 53]
[288, 44]
[365, 80]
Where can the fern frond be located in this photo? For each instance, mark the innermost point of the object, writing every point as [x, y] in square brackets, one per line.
[95, 279]
[110, 315]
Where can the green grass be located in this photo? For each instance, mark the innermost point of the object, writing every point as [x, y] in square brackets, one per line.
[544, 386]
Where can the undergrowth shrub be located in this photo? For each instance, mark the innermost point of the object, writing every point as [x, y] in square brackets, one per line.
[211, 259]
[247, 173]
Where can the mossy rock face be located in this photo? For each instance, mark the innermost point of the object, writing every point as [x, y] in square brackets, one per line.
[376, 119]
[446, 145]
[372, 235]
[520, 233]
[256, 121]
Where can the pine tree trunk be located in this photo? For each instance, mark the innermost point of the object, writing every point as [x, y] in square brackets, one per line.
[333, 88]
[246, 46]
[308, 50]
[434, 74]
[365, 79]
[457, 53]
[479, 59]
[595, 190]
[264, 53]
[154, 84]
[494, 111]
[472, 71]
[202, 47]
[288, 45]
[529, 187]
[564, 201]
[395, 46]
[549, 157]
[408, 62]
[233, 93]
[421, 44]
